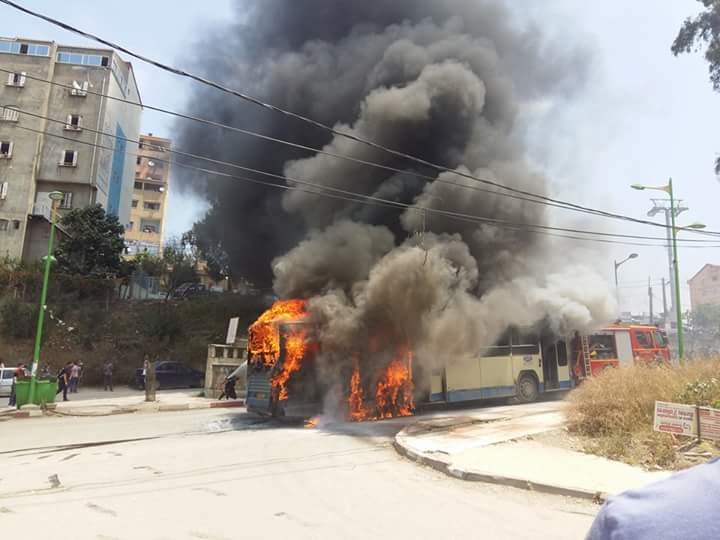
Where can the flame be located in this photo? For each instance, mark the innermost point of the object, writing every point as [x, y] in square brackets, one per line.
[264, 338]
[393, 391]
[294, 355]
[356, 401]
[312, 422]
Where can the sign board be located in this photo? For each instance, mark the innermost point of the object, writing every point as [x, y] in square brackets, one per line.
[675, 418]
[232, 331]
[710, 423]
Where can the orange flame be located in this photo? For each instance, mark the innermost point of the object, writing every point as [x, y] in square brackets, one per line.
[264, 338]
[393, 391]
[356, 401]
[294, 355]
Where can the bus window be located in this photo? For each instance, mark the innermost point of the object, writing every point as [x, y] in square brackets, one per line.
[501, 347]
[660, 340]
[524, 343]
[644, 340]
[602, 346]
[562, 353]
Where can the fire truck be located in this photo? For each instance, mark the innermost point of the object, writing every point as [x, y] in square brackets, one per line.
[619, 345]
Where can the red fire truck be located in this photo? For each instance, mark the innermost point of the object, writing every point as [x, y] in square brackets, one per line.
[620, 345]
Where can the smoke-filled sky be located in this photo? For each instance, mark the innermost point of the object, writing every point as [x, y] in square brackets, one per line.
[640, 116]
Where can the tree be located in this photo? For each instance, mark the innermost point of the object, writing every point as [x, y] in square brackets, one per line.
[152, 265]
[181, 259]
[93, 243]
[703, 30]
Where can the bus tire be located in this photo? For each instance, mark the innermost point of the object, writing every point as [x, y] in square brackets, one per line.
[527, 388]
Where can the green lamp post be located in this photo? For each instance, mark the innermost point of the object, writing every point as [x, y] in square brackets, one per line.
[678, 309]
[55, 197]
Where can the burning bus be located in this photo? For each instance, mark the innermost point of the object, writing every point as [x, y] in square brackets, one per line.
[283, 375]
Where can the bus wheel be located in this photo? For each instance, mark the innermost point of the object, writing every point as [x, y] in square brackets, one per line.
[527, 388]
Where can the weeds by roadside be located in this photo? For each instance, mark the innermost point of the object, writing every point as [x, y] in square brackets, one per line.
[613, 413]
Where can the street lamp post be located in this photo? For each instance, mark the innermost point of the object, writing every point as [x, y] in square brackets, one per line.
[55, 197]
[618, 264]
[676, 270]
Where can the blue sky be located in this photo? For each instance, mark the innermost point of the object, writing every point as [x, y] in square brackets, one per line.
[643, 116]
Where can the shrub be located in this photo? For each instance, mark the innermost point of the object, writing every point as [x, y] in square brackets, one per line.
[17, 319]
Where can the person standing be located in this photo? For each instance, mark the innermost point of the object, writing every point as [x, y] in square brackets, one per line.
[64, 380]
[74, 377]
[108, 375]
[17, 375]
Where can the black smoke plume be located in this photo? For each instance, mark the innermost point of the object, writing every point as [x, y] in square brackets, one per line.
[444, 80]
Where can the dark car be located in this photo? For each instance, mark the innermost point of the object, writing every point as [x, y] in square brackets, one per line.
[190, 290]
[172, 375]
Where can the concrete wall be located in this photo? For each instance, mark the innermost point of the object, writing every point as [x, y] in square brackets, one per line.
[705, 287]
[18, 171]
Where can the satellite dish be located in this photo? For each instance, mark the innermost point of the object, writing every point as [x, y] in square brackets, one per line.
[76, 85]
[151, 163]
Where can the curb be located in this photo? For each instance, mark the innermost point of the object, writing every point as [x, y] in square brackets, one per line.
[168, 407]
[489, 478]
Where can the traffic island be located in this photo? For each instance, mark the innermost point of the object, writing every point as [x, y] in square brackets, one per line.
[504, 452]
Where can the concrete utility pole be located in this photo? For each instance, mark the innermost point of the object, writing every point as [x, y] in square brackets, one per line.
[650, 298]
[665, 307]
[663, 206]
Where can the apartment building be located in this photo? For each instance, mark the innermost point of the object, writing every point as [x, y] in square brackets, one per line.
[144, 232]
[705, 286]
[60, 130]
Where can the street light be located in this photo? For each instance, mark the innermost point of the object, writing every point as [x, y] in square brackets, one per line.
[678, 309]
[618, 264]
[55, 197]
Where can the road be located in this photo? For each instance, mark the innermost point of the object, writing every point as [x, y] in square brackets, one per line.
[210, 474]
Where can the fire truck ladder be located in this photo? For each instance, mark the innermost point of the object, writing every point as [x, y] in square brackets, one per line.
[586, 355]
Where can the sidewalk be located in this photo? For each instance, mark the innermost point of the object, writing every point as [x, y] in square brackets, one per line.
[501, 450]
[94, 402]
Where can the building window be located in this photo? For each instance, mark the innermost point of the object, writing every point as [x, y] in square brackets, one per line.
[134, 204]
[6, 148]
[74, 122]
[4, 224]
[151, 206]
[31, 49]
[16, 79]
[66, 201]
[83, 59]
[16, 224]
[154, 187]
[139, 160]
[3, 191]
[69, 158]
[9, 114]
[129, 226]
[150, 226]
[138, 185]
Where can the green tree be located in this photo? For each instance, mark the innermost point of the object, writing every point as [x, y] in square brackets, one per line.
[181, 259]
[93, 243]
[703, 31]
[152, 265]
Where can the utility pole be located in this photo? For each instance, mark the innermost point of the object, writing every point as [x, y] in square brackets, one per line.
[665, 307]
[650, 298]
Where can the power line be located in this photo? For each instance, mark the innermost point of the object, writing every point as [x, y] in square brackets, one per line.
[321, 151]
[342, 193]
[325, 127]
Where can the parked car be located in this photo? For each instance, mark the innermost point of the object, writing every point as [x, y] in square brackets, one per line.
[6, 377]
[172, 375]
[190, 290]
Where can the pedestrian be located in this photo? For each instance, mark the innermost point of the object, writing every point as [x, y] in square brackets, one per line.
[18, 374]
[108, 375]
[82, 372]
[683, 505]
[63, 378]
[74, 377]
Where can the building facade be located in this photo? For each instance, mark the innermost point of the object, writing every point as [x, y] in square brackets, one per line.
[60, 130]
[144, 232]
[705, 286]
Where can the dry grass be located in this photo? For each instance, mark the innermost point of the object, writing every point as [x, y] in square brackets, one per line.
[614, 412]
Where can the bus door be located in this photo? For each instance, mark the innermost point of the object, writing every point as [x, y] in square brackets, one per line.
[550, 364]
[438, 385]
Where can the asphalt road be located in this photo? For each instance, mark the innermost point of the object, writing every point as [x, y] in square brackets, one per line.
[210, 474]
